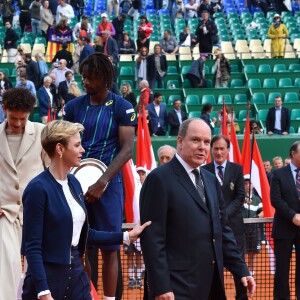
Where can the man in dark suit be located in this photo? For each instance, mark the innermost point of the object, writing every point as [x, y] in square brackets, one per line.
[87, 49]
[110, 46]
[231, 178]
[176, 117]
[158, 116]
[189, 237]
[64, 54]
[63, 88]
[285, 197]
[187, 39]
[157, 66]
[278, 119]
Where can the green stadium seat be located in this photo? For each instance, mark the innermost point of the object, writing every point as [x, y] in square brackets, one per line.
[218, 15]
[208, 99]
[249, 69]
[172, 84]
[184, 70]
[40, 40]
[26, 40]
[236, 83]
[37, 118]
[279, 68]
[192, 100]
[232, 15]
[240, 99]
[264, 68]
[262, 115]
[194, 114]
[14, 72]
[291, 97]
[258, 14]
[297, 82]
[285, 82]
[292, 129]
[246, 15]
[226, 97]
[172, 70]
[186, 83]
[243, 115]
[258, 98]
[254, 83]
[294, 68]
[234, 69]
[172, 98]
[295, 114]
[269, 83]
[6, 71]
[126, 71]
[272, 96]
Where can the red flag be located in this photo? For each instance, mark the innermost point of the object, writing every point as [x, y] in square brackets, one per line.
[224, 121]
[246, 158]
[144, 151]
[93, 292]
[132, 186]
[235, 153]
[49, 115]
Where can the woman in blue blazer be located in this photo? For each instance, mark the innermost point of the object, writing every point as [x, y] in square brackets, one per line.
[56, 230]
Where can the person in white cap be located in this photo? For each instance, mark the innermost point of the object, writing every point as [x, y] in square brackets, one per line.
[64, 10]
[104, 25]
[277, 32]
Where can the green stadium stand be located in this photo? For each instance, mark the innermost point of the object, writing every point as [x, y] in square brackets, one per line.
[249, 69]
[243, 115]
[236, 83]
[295, 114]
[269, 83]
[272, 96]
[264, 68]
[285, 82]
[194, 114]
[279, 68]
[224, 98]
[258, 98]
[291, 97]
[208, 99]
[172, 98]
[262, 115]
[240, 99]
[254, 83]
[192, 100]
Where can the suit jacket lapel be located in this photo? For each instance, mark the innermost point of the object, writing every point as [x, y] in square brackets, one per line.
[27, 140]
[291, 180]
[4, 149]
[186, 182]
[227, 173]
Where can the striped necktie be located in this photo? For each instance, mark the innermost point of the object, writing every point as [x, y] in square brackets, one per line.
[298, 182]
[220, 172]
[199, 184]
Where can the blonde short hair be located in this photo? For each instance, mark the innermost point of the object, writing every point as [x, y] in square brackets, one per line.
[58, 131]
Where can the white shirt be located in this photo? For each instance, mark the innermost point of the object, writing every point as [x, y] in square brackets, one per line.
[157, 109]
[188, 169]
[66, 10]
[178, 112]
[50, 95]
[60, 75]
[277, 118]
[187, 42]
[293, 168]
[78, 27]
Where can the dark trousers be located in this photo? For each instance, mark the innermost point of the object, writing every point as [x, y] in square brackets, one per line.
[157, 79]
[140, 45]
[194, 81]
[24, 20]
[283, 253]
[64, 281]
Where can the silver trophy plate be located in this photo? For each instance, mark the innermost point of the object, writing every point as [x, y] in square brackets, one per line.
[89, 171]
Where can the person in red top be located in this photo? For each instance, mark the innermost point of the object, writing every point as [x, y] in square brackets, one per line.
[105, 26]
[145, 94]
[144, 32]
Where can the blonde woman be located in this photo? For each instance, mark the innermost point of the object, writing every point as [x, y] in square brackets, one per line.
[74, 90]
[127, 94]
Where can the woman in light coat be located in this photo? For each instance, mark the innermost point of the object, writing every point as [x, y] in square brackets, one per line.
[46, 19]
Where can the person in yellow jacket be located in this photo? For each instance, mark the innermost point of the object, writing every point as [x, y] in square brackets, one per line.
[277, 32]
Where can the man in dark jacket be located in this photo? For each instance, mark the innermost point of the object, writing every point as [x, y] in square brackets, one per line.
[32, 70]
[118, 23]
[64, 54]
[110, 46]
[156, 67]
[187, 39]
[196, 74]
[10, 42]
[87, 49]
[176, 117]
[24, 17]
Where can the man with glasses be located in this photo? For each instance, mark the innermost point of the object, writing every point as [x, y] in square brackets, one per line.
[60, 71]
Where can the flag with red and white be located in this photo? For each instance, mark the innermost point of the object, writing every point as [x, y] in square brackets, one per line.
[235, 153]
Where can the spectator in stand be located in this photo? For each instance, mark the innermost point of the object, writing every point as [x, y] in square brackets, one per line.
[42, 66]
[118, 23]
[10, 42]
[24, 17]
[267, 166]
[110, 46]
[144, 32]
[191, 10]
[63, 26]
[77, 51]
[177, 11]
[168, 43]
[145, 94]
[127, 94]
[287, 161]
[220, 116]
[157, 66]
[63, 88]
[187, 39]
[126, 45]
[74, 91]
[207, 33]
[83, 24]
[46, 99]
[141, 65]
[205, 116]
[196, 73]
[205, 6]
[278, 33]
[98, 44]
[254, 127]
[35, 10]
[176, 117]
[137, 5]
[116, 70]
[5, 83]
[278, 119]
[222, 69]
[125, 6]
[59, 71]
[20, 56]
[277, 162]
[7, 11]
[158, 4]
[64, 10]
[216, 5]
[165, 153]
[104, 25]
[20, 69]
[113, 5]
[64, 54]
[32, 70]
[26, 84]
[158, 115]
[87, 49]
[47, 19]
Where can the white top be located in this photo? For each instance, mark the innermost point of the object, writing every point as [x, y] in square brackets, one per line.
[66, 10]
[277, 124]
[50, 95]
[188, 169]
[60, 75]
[77, 211]
[77, 28]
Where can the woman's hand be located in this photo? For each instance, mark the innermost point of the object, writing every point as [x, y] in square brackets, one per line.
[137, 230]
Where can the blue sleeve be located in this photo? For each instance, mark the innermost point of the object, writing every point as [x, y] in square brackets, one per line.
[69, 112]
[100, 238]
[34, 210]
[125, 113]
